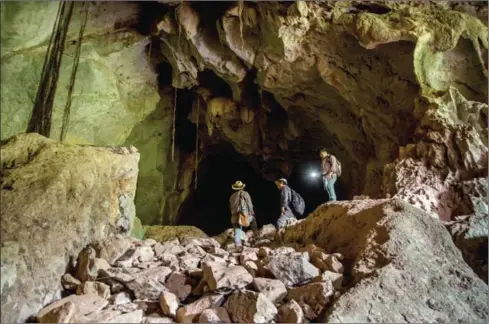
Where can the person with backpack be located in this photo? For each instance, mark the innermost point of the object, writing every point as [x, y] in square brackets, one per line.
[289, 199]
[331, 169]
[242, 214]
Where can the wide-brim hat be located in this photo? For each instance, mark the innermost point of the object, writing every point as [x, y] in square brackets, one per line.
[238, 185]
[282, 180]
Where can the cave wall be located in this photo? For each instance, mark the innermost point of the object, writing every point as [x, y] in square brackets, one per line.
[115, 100]
[355, 78]
[276, 80]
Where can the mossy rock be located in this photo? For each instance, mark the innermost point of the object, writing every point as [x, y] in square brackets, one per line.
[163, 233]
[137, 229]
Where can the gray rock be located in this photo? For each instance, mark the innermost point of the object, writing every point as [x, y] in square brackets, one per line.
[157, 319]
[273, 289]
[317, 295]
[62, 314]
[250, 307]
[470, 234]
[290, 312]
[177, 284]
[112, 248]
[146, 288]
[292, 269]
[94, 287]
[336, 279]
[215, 315]
[218, 276]
[169, 303]
[398, 252]
[120, 298]
[84, 304]
[170, 247]
[145, 253]
[132, 317]
[69, 282]
[190, 312]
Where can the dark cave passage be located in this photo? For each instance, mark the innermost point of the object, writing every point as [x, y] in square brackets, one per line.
[208, 207]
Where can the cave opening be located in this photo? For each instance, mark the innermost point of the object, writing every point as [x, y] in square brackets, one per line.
[208, 207]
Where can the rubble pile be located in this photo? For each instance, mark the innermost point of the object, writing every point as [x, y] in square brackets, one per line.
[122, 279]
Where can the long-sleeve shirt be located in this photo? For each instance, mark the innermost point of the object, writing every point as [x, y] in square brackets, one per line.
[240, 202]
[285, 197]
[329, 164]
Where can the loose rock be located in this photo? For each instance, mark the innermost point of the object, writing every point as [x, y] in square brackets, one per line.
[190, 312]
[94, 287]
[250, 307]
[219, 276]
[291, 312]
[169, 303]
[274, 290]
[317, 295]
[176, 283]
[292, 269]
[215, 315]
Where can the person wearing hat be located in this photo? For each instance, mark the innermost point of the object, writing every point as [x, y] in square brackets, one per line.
[241, 205]
[285, 201]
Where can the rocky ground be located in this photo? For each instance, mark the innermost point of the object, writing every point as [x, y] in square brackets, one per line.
[122, 279]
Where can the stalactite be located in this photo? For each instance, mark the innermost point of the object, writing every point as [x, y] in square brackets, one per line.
[41, 118]
[240, 14]
[197, 142]
[76, 60]
[173, 128]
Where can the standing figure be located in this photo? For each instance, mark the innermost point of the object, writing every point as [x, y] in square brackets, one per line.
[331, 169]
[241, 208]
[288, 199]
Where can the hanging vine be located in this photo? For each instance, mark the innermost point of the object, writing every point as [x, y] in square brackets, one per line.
[76, 60]
[175, 98]
[41, 117]
[197, 142]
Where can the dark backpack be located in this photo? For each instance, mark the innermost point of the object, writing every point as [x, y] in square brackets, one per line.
[297, 202]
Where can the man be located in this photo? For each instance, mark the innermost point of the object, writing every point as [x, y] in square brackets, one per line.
[331, 169]
[240, 204]
[285, 200]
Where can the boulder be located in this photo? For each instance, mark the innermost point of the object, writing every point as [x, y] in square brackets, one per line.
[169, 303]
[146, 288]
[171, 247]
[190, 312]
[215, 315]
[266, 232]
[120, 298]
[146, 253]
[112, 248]
[188, 262]
[394, 250]
[169, 260]
[177, 284]
[94, 287]
[62, 314]
[290, 312]
[220, 277]
[83, 305]
[69, 282]
[250, 307]
[292, 269]
[470, 234]
[132, 317]
[82, 185]
[317, 295]
[335, 278]
[273, 289]
[103, 316]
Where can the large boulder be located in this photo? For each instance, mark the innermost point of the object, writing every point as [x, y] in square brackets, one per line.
[469, 234]
[403, 264]
[56, 198]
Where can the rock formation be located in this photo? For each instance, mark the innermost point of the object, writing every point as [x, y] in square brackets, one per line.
[56, 199]
[277, 81]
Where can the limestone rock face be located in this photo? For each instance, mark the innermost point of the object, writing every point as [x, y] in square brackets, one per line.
[394, 250]
[469, 234]
[82, 186]
[442, 173]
